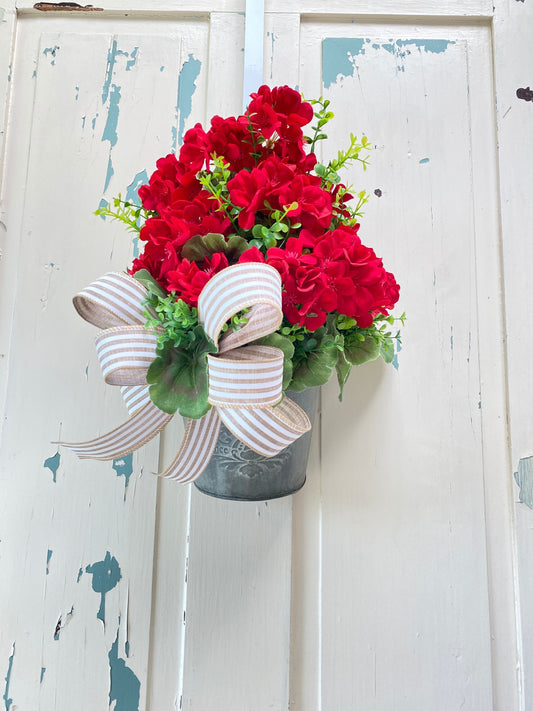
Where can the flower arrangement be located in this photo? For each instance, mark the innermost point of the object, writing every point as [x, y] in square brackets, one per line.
[250, 190]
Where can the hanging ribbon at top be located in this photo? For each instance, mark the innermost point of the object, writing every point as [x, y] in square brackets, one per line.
[245, 381]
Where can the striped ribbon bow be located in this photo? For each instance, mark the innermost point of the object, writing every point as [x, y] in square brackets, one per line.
[245, 381]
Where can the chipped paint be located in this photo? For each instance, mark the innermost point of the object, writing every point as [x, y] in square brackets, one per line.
[93, 122]
[48, 559]
[524, 479]
[110, 129]
[132, 60]
[109, 173]
[339, 53]
[53, 463]
[423, 161]
[7, 679]
[395, 362]
[80, 573]
[43, 669]
[106, 574]
[124, 467]
[103, 204]
[125, 687]
[186, 88]
[52, 51]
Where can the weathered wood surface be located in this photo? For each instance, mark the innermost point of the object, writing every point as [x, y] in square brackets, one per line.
[387, 582]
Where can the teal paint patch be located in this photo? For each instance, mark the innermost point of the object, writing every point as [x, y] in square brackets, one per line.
[125, 687]
[106, 574]
[109, 174]
[395, 362]
[93, 122]
[7, 678]
[43, 669]
[80, 573]
[424, 161]
[451, 338]
[186, 88]
[110, 129]
[77, 93]
[434, 46]
[132, 60]
[524, 479]
[103, 204]
[52, 51]
[337, 54]
[124, 467]
[53, 463]
[127, 648]
[48, 559]
[161, 68]
[34, 74]
[112, 55]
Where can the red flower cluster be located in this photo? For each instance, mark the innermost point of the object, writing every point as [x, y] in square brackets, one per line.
[322, 262]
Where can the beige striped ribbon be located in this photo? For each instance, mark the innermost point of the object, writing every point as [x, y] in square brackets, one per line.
[245, 381]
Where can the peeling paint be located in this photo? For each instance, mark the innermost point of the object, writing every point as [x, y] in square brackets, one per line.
[109, 173]
[80, 573]
[7, 678]
[124, 467]
[424, 161]
[186, 88]
[339, 53]
[52, 51]
[43, 669]
[106, 574]
[132, 60]
[93, 122]
[125, 687]
[110, 129]
[524, 479]
[53, 463]
[161, 68]
[103, 204]
[48, 559]
[395, 362]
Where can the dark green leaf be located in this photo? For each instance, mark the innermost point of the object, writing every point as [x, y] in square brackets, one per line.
[343, 368]
[386, 350]
[147, 280]
[317, 365]
[178, 377]
[359, 351]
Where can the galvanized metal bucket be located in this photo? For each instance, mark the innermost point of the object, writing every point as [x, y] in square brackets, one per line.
[238, 473]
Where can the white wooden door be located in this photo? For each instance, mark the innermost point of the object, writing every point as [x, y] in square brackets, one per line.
[393, 580]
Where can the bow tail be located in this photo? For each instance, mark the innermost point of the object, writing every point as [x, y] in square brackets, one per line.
[145, 424]
[266, 430]
[197, 447]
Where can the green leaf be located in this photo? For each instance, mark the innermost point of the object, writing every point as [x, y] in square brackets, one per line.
[285, 345]
[343, 368]
[386, 350]
[359, 351]
[178, 377]
[197, 248]
[147, 280]
[317, 365]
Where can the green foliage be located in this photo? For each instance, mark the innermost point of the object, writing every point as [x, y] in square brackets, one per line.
[315, 357]
[126, 212]
[197, 248]
[178, 377]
